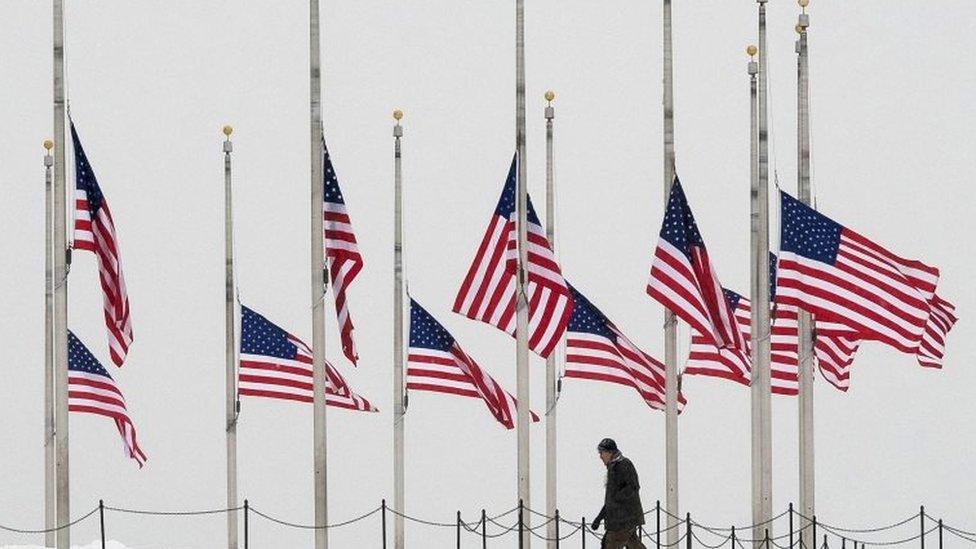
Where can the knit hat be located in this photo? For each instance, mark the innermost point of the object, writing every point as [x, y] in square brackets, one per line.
[607, 445]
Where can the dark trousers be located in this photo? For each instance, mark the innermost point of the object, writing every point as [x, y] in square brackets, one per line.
[628, 538]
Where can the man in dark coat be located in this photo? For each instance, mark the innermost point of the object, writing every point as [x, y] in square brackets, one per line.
[622, 511]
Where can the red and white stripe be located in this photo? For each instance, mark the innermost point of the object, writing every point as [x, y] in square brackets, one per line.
[455, 373]
[593, 357]
[942, 317]
[96, 394]
[283, 379]
[98, 236]
[706, 359]
[488, 291]
[345, 262]
[878, 294]
[691, 289]
[834, 352]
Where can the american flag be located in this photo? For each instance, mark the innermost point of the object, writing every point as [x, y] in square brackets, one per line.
[91, 390]
[488, 292]
[345, 262]
[684, 280]
[834, 353]
[436, 363]
[598, 351]
[276, 364]
[843, 278]
[95, 232]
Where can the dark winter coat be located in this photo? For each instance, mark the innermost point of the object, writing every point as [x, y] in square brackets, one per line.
[621, 505]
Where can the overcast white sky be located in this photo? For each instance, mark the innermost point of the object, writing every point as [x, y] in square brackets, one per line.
[151, 83]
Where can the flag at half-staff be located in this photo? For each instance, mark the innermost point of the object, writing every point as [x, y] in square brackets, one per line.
[91, 390]
[844, 278]
[488, 292]
[684, 280]
[341, 249]
[276, 364]
[598, 351]
[834, 352]
[436, 363]
[95, 232]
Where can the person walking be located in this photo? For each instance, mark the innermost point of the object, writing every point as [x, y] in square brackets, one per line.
[622, 511]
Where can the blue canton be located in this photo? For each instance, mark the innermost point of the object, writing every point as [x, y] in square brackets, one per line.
[80, 358]
[679, 228]
[85, 176]
[506, 203]
[426, 332]
[332, 192]
[732, 297]
[807, 232]
[586, 318]
[259, 336]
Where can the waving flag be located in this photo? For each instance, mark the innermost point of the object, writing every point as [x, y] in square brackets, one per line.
[341, 249]
[95, 232]
[91, 390]
[488, 291]
[942, 317]
[436, 363]
[834, 352]
[276, 364]
[841, 276]
[598, 351]
[705, 359]
[684, 280]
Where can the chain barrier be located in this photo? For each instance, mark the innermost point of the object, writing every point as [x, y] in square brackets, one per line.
[959, 534]
[946, 526]
[707, 546]
[424, 522]
[479, 527]
[859, 530]
[901, 541]
[173, 513]
[312, 526]
[46, 530]
[560, 538]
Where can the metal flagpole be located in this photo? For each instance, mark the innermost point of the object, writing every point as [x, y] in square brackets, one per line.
[50, 493]
[756, 389]
[318, 283]
[760, 326]
[230, 349]
[399, 410]
[522, 305]
[551, 366]
[60, 251]
[806, 351]
[670, 320]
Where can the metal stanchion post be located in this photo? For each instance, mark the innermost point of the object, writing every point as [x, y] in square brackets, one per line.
[247, 509]
[101, 520]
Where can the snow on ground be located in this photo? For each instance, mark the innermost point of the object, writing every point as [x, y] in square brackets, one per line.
[93, 545]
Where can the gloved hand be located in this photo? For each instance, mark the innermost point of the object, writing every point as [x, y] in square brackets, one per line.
[595, 525]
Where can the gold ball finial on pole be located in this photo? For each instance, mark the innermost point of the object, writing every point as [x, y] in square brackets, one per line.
[803, 4]
[228, 130]
[751, 50]
[550, 95]
[48, 144]
[397, 115]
